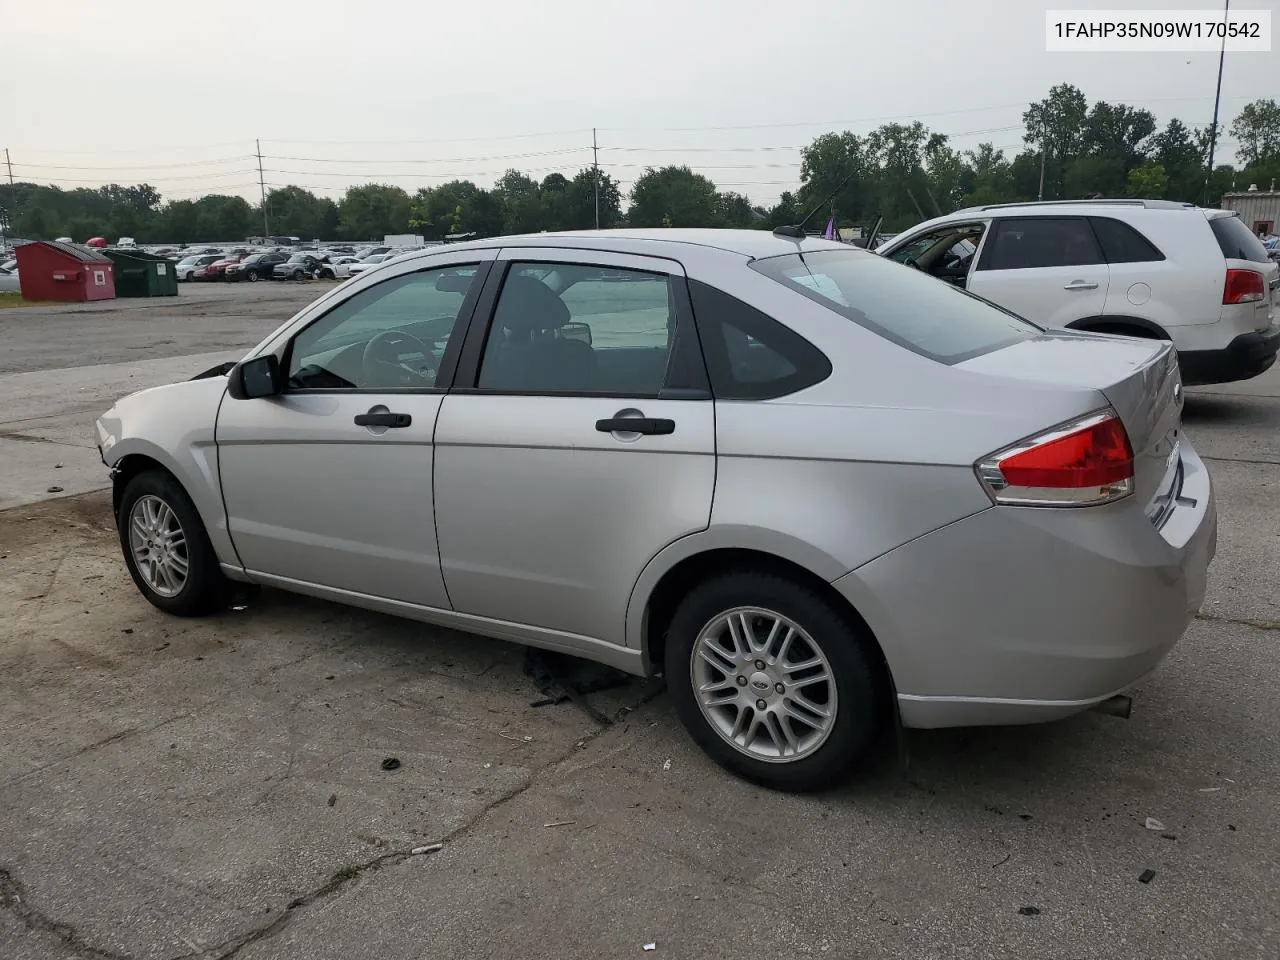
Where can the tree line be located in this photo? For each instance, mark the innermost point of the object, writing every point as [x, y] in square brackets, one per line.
[903, 172]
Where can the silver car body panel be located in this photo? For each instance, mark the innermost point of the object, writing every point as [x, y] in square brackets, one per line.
[554, 534]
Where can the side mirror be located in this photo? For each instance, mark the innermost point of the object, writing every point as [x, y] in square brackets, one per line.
[259, 377]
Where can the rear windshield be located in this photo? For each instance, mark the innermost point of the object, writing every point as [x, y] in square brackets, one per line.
[926, 315]
[1236, 241]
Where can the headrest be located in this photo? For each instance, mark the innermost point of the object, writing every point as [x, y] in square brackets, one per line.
[528, 305]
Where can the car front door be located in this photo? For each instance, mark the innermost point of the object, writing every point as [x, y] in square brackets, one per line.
[328, 484]
[1050, 270]
[578, 441]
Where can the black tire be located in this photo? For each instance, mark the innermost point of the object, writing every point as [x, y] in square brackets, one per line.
[297, 275]
[251, 275]
[326, 275]
[861, 701]
[205, 588]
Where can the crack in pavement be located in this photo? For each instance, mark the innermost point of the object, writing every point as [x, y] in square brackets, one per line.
[13, 897]
[351, 872]
[1241, 621]
[1265, 463]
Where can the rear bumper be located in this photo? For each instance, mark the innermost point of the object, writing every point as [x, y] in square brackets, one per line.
[1244, 357]
[1021, 615]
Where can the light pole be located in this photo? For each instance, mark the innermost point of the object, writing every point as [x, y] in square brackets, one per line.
[1217, 100]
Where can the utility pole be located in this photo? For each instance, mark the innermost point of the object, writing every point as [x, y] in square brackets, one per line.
[595, 166]
[8, 164]
[1044, 148]
[262, 187]
[1213, 130]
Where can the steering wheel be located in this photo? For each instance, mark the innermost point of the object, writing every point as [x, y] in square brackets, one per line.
[384, 365]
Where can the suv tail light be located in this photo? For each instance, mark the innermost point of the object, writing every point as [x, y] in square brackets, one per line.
[1244, 286]
[1081, 463]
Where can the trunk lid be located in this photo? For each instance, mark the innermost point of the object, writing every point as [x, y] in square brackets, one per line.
[1139, 379]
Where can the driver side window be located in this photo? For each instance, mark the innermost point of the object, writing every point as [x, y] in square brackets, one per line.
[391, 336]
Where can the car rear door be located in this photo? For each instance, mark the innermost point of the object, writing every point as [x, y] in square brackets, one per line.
[327, 486]
[548, 503]
[1050, 270]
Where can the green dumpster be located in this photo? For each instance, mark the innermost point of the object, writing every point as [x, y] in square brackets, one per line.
[142, 274]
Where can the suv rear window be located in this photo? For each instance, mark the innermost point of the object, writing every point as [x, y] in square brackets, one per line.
[1236, 241]
[901, 304]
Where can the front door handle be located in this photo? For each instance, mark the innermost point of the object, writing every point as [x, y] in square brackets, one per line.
[1080, 285]
[651, 426]
[391, 420]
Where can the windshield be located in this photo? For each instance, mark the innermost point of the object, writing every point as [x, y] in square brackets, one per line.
[189, 259]
[1236, 240]
[901, 304]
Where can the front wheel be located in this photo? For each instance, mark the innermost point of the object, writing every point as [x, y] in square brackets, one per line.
[773, 681]
[166, 547]
[251, 275]
[297, 275]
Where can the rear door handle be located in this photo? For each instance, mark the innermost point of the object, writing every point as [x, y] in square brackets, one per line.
[651, 426]
[1080, 285]
[391, 420]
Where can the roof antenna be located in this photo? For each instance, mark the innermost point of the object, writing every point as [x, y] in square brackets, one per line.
[797, 232]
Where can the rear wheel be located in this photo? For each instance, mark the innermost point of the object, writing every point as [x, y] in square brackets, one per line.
[166, 547]
[297, 274]
[773, 681]
[251, 275]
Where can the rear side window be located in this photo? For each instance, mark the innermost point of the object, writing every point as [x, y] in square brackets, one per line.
[901, 304]
[1236, 241]
[1024, 243]
[1123, 244]
[750, 356]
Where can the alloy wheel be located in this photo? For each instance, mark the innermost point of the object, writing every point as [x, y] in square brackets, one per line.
[158, 545]
[764, 684]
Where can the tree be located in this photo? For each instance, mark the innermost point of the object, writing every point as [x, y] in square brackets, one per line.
[1183, 159]
[521, 203]
[223, 218]
[580, 201]
[1091, 176]
[992, 176]
[178, 222]
[674, 196]
[372, 210]
[295, 212]
[824, 164]
[1147, 181]
[734, 210]
[947, 177]
[1057, 124]
[1119, 131]
[1258, 130]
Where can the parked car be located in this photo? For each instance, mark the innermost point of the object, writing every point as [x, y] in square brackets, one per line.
[258, 266]
[338, 268]
[300, 266]
[371, 261]
[1141, 268]
[9, 276]
[187, 266]
[820, 491]
[218, 269]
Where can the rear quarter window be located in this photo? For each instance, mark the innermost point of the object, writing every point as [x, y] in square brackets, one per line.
[1237, 241]
[1121, 243]
[901, 304]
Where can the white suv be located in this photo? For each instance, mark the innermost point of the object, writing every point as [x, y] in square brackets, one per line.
[1143, 268]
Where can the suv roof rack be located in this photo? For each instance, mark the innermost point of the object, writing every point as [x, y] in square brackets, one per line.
[1148, 204]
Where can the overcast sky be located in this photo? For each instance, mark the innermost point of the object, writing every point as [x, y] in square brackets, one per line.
[416, 92]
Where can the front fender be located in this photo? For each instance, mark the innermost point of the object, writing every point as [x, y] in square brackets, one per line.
[174, 427]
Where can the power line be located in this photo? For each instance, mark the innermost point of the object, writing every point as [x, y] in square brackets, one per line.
[166, 166]
[483, 159]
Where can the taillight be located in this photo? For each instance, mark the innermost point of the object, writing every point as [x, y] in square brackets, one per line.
[1244, 286]
[1081, 463]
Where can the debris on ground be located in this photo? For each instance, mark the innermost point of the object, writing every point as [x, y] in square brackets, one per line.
[391, 763]
[1146, 876]
[1168, 836]
[560, 678]
[560, 823]
[1029, 911]
[333, 799]
[666, 764]
[54, 489]
[507, 736]
[1154, 824]
[429, 848]
[651, 946]
[1210, 789]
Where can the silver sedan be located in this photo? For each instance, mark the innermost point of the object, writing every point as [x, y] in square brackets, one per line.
[819, 491]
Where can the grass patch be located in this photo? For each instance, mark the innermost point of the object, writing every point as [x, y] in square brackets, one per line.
[12, 298]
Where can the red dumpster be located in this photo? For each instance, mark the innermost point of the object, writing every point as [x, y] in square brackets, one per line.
[48, 270]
